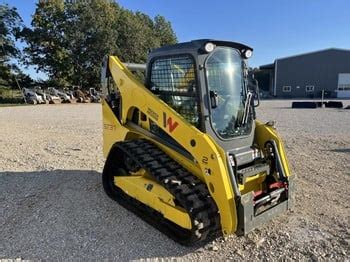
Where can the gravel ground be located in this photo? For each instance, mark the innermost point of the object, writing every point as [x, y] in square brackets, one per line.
[52, 205]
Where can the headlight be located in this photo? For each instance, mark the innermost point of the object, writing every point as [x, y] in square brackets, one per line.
[209, 47]
[248, 53]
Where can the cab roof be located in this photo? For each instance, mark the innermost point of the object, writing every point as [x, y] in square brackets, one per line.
[200, 43]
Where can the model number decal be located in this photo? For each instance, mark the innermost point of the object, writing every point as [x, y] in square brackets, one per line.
[109, 127]
[152, 114]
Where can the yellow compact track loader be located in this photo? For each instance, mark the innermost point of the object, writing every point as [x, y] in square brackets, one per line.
[184, 150]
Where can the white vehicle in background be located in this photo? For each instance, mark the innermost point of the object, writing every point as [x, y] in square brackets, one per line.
[32, 97]
[95, 97]
[41, 93]
[62, 95]
[69, 93]
[52, 96]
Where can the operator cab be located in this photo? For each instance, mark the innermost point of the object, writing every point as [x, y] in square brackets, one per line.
[205, 81]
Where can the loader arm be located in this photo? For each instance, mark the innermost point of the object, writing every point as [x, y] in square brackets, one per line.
[210, 158]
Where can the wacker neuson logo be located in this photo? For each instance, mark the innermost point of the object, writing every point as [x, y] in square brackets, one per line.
[169, 122]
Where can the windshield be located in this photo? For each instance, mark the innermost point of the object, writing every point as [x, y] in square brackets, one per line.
[224, 72]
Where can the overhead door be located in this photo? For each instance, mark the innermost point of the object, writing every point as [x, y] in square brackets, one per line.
[343, 85]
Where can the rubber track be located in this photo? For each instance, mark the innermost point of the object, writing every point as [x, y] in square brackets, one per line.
[189, 192]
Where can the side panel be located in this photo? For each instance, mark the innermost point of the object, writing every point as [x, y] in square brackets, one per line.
[212, 161]
[264, 133]
[113, 131]
[158, 198]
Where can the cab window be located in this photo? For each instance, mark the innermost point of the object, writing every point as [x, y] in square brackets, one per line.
[173, 80]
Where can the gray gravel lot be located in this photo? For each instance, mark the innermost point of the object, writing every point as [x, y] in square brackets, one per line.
[52, 205]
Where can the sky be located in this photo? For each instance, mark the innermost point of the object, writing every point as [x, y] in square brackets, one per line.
[273, 28]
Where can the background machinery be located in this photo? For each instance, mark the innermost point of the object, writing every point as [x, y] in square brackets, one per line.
[184, 150]
[65, 98]
[95, 96]
[80, 95]
[33, 97]
[41, 92]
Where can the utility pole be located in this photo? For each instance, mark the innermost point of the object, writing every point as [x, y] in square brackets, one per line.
[322, 98]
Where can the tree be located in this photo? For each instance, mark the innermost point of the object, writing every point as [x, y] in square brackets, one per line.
[136, 36]
[47, 46]
[69, 40]
[92, 33]
[163, 31]
[10, 25]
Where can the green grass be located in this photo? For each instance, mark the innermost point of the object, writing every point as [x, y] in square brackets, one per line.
[11, 105]
[10, 93]
[10, 96]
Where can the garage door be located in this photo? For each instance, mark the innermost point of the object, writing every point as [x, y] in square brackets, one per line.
[343, 85]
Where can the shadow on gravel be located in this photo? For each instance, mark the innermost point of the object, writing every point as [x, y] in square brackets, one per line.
[341, 150]
[65, 215]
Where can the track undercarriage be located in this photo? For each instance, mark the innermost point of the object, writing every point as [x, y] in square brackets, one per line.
[190, 203]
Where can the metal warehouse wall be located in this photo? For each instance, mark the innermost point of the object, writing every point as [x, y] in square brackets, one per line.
[319, 69]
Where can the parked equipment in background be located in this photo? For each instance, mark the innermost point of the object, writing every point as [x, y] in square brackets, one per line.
[69, 92]
[32, 97]
[95, 97]
[42, 93]
[304, 104]
[63, 96]
[52, 97]
[80, 95]
[334, 104]
[184, 151]
[317, 104]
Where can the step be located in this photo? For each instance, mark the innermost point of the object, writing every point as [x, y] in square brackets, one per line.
[250, 171]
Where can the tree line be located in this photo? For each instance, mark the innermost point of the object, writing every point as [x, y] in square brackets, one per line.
[67, 41]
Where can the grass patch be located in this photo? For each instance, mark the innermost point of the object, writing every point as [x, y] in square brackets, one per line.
[10, 96]
[11, 105]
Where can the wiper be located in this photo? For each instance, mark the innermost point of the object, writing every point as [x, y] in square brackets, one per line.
[246, 108]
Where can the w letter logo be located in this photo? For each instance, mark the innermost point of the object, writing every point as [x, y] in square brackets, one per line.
[168, 122]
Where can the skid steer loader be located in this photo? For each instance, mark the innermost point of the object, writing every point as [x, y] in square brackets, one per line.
[184, 150]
